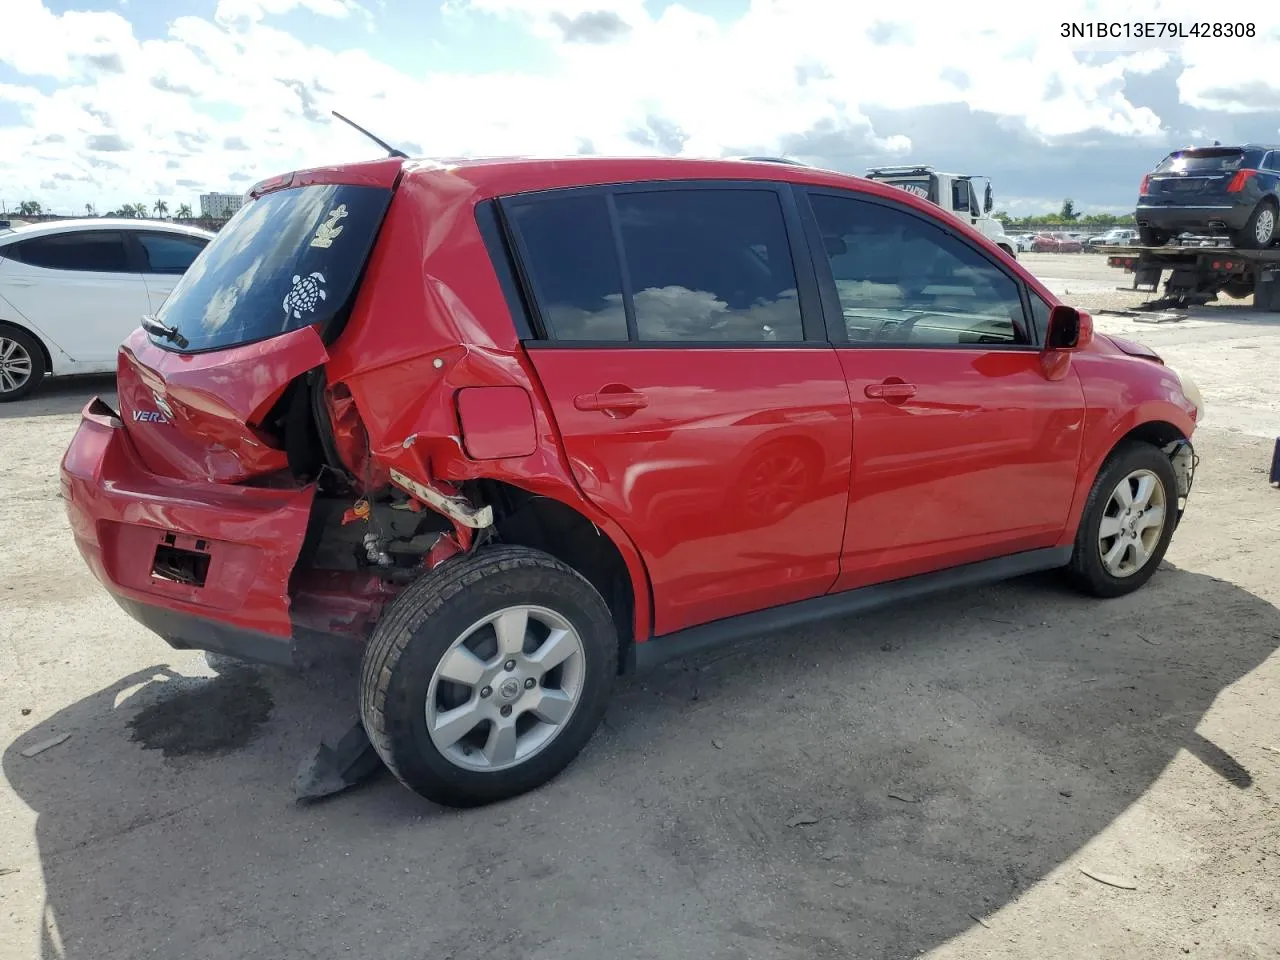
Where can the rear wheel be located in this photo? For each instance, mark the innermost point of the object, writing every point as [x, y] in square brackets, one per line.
[1150, 237]
[486, 677]
[21, 364]
[1127, 523]
[1260, 230]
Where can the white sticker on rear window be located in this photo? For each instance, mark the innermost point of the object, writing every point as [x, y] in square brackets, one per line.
[305, 295]
[328, 231]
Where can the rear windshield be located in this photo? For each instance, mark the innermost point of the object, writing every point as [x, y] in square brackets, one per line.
[286, 260]
[1201, 161]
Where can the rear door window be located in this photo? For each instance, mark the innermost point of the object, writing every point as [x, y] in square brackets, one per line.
[287, 260]
[169, 253]
[94, 251]
[710, 265]
[572, 262]
[701, 265]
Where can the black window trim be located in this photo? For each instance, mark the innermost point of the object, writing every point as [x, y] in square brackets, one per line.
[540, 336]
[496, 234]
[138, 254]
[834, 315]
[129, 254]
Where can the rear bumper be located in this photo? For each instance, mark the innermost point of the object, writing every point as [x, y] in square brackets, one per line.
[1194, 219]
[245, 542]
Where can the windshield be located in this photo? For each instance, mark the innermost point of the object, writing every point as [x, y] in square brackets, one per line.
[287, 260]
[1201, 161]
[924, 187]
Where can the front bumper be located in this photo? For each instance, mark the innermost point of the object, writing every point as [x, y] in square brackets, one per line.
[1193, 219]
[204, 565]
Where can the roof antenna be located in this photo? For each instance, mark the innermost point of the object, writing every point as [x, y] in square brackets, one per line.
[391, 151]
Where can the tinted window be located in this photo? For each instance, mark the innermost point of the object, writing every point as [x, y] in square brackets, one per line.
[960, 195]
[96, 252]
[1201, 161]
[904, 280]
[710, 265]
[168, 253]
[572, 263]
[287, 260]
[1039, 317]
[1272, 161]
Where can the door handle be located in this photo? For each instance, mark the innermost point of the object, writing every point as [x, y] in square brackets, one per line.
[892, 391]
[614, 402]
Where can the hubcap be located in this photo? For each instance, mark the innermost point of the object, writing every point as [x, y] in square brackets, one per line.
[1132, 523]
[505, 688]
[1265, 225]
[15, 365]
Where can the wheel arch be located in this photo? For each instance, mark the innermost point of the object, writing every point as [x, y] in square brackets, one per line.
[44, 347]
[1157, 425]
[561, 530]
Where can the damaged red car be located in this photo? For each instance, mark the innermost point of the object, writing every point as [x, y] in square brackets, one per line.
[514, 427]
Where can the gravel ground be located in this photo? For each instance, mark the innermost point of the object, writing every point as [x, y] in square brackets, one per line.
[983, 775]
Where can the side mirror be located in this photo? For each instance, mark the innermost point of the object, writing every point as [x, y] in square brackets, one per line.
[1069, 329]
[987, 200]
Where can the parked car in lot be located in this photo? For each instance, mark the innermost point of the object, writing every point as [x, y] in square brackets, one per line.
[1022, 242]
[1051, 243]
[602, 414]
[1119, 237]
[1222, 191]
[72, 290]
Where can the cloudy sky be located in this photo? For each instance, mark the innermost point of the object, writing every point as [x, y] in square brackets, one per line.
[108, 101]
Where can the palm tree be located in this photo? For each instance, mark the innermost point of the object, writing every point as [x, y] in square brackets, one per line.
[184, 211]
[89, 210]
[140, 210]
[29, 208]
[161, 208]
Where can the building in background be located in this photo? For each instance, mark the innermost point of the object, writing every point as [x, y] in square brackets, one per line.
[220, 206]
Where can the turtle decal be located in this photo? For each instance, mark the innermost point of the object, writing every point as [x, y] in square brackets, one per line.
[305, 295]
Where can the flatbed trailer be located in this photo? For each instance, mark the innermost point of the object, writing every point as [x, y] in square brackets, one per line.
[1198, 274]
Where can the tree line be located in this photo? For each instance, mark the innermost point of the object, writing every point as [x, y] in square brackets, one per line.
[1067, 215]
[130, 211]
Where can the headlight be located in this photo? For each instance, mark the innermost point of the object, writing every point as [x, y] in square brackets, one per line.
[1191, 392]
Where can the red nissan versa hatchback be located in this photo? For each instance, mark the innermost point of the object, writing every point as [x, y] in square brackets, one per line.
[517, 426]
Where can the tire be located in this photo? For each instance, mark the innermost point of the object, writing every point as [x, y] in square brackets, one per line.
[1260, 230]
[400, 687]
[22, 366]
[1149, 237]
[1087, 568]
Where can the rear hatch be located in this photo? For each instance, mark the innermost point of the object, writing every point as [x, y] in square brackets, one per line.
[1194, 177]
[210, 385]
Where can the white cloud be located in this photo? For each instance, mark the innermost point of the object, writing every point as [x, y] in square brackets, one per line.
[136, 117]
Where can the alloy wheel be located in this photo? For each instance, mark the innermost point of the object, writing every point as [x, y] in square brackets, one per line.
[1132, 523]
[505, 688]
[1265, 226]
[15, 365]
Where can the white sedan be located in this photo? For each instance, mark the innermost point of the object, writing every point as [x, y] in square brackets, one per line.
[72, 290]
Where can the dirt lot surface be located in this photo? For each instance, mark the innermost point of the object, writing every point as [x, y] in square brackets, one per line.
[1009, 772]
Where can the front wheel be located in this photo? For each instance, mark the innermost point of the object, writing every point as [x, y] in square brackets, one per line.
[1127, 523]
[487, 676]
